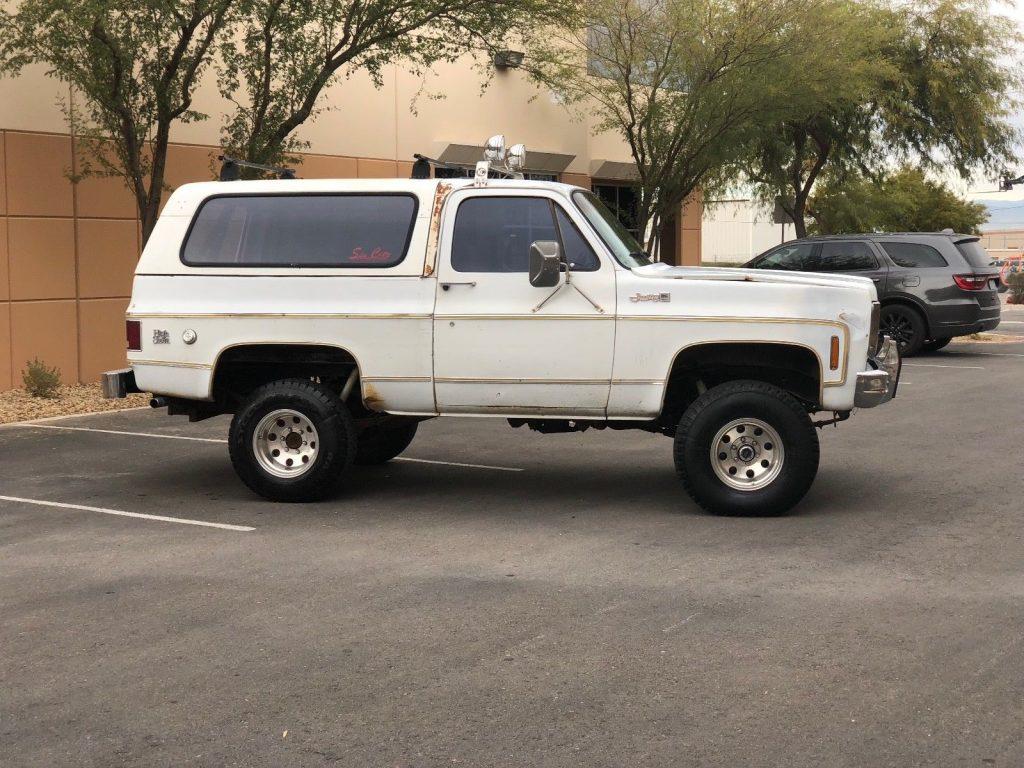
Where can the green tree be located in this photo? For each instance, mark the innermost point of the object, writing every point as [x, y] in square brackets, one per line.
[133, 67]
[287, 52]
[929, 82]
[682, 81]
[905, 201]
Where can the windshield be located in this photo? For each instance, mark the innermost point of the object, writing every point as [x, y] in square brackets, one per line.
[624, 247]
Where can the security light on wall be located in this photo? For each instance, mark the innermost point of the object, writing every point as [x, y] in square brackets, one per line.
[508, 59]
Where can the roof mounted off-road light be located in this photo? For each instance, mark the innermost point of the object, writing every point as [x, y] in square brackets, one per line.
[516, 159]
[494, 149]
[231, 169]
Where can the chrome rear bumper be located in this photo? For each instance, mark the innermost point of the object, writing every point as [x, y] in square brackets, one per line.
[118, 384]
[878, 385]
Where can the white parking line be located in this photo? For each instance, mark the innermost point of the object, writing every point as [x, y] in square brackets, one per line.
[990, 354]
[933, 365]
[121, 513]
[120, 432]
[223, 441]
[459, 464]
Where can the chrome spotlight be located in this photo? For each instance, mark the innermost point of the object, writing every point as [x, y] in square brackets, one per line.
[494, 150]
[516, 160]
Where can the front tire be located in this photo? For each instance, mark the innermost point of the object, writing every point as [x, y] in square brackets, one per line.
[292, 441]
[746, 448]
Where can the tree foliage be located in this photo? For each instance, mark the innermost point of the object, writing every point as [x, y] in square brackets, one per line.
[929, 81]
[684, 82]
[904, 201]
[133, 67]
[288, 52]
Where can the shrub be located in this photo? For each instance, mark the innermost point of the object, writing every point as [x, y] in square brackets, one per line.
[1016, 283]
[40, 380]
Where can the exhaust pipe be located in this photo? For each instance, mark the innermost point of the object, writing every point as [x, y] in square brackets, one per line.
[158, 402]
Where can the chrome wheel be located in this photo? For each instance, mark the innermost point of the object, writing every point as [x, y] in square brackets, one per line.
[747, 454]
[285, 443]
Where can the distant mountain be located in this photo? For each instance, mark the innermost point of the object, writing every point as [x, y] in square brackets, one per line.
[1003, 214]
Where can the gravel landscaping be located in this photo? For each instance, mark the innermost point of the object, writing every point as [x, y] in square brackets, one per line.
[19, 405]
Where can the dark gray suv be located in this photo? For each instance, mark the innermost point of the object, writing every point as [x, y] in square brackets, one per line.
[932, 286]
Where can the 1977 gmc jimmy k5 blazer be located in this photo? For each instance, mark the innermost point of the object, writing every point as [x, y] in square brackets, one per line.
[331, 316]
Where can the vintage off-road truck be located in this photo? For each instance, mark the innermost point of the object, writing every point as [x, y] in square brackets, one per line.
[331, 317]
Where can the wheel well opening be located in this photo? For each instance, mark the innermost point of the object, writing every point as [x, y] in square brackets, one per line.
[240, 370]
[790, 367]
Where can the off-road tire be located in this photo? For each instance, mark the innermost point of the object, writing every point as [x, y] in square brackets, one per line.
[718, 407]
[381, 443]
[934, 345]
[335, 430]
[906, 326]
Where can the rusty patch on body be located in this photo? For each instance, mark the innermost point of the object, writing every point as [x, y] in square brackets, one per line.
[434, 234]
[371, 398]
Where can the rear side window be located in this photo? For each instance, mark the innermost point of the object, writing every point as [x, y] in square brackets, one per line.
[301, 231]
[976, 255]
[845, 257]
[914, 255]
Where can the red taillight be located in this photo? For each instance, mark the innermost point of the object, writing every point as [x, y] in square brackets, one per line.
[971, 282]
[133, 330]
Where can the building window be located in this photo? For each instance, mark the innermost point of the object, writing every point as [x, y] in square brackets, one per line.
[468, 173]
[624, 201]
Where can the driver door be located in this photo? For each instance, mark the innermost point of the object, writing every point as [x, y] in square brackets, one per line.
[496, 349]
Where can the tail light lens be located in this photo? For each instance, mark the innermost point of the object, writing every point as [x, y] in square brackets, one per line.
[972, 282]
[133, 330]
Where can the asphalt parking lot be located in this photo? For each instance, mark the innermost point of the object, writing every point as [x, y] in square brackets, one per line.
[510, 599]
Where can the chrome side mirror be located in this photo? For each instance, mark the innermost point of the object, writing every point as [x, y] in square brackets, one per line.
[545, 263]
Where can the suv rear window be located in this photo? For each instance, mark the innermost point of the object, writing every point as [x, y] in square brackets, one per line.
[914, 255]
[976, 255]
[301, 231]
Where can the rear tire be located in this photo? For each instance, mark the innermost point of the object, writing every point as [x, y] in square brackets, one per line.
[905, 326]
[380, 444]
[934, 345]
[292, 441]
[726, 453]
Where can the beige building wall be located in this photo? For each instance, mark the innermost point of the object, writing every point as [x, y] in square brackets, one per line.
[68, 250]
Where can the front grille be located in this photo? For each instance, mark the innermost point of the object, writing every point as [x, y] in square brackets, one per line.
[873, 336]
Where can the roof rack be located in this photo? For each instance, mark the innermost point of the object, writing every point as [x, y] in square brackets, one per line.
[231, 168]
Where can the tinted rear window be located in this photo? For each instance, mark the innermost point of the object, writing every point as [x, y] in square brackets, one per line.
[845, 257]
[914, 255]
[976, 255]
[301, 231]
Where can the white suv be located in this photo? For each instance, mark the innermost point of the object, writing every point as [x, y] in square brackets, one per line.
[331, 317]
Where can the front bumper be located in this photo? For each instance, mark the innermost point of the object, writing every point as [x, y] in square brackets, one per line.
[878, 385]
[119, 383]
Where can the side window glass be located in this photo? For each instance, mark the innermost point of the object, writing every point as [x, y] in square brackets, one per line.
[914, 255]
[792, 256]
[576, 251]
[845, 257]
[493, 234]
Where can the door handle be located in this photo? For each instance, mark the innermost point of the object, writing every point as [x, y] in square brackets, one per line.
[446, 286]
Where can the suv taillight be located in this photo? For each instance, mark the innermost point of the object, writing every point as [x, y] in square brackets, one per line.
[972, 282]
[133, 330]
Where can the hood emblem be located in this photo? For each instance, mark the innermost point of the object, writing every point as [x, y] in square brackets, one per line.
[638, 297]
